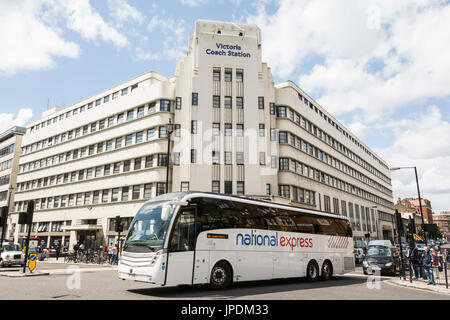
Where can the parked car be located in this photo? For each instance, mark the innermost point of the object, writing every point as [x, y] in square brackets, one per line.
[382, 258]
[11, 255]
[359, 255]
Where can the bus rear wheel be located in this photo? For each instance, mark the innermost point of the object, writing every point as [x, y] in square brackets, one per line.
[220, 276]
[327, 271]
[312, 271]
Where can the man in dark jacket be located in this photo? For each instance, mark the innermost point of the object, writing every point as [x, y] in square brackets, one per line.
[412, 255]
[428, 264]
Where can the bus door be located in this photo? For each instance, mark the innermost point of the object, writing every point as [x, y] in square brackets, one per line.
[180, 261]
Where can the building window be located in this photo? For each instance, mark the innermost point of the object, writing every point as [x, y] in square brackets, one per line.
[240, 188]
[178, 103]
[163, 132]
[116, 168]
[262, 158]
[125, 193]
[136, 192]
[281, 112]
[137, 163]
[284, 191]
[239, 130]
[130, 115]
[194, 126]
[284, 164]
[195, 98]
[184, 186]
[227, 101]
[216, 187]
[216, 129]
[215, 157]
[126, 165]
[239, 102]
[128, 140]
[282, 137]
[239, 76]
[273, 134]
[228, 187]
[260, 102]
[160, 188]
[177, 131]
[344, 208]
[115, 195]
[118, 142]
[193, 156]
[151, 133]
[152, 107]
[228, 129]
[149, 161]
[95, 199]
[139, 137]
[268, 192]
[327, 203]
[335, 206]
[140, 112]
[107, 170]
[228, 158]
[162, 160]
[216, 101]
[239, 158]
[216, 75]
[176, 158]
[147, 191]
[228, 75]
[272, 108]
[262, 130]
[164, 105]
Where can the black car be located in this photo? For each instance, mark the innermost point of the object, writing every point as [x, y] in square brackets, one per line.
[383, 259]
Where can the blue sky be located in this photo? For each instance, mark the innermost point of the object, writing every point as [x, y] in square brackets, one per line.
[381, 68]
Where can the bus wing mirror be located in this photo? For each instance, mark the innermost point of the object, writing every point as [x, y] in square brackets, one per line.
[168, 206]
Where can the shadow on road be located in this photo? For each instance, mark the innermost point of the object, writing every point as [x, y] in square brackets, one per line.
[249, 288]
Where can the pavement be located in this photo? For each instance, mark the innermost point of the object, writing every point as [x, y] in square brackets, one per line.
[51, 266]
[420, 284]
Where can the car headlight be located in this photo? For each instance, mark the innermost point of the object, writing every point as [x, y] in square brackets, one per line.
[7, 257]
[365, 263]
[388, 264]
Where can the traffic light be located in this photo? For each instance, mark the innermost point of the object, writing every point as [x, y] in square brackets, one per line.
[3, 216]
[118, 225]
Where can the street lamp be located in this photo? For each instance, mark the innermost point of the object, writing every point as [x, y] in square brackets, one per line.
[169, 130]
[420, 199]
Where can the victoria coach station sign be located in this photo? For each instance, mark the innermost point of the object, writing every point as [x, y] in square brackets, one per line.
[228, 50]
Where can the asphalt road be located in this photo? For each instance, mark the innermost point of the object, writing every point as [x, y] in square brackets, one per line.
[104, 284]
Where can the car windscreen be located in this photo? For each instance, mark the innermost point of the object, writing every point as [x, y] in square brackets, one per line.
[384, 252]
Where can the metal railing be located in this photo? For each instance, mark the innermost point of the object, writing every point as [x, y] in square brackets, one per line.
[417, 272]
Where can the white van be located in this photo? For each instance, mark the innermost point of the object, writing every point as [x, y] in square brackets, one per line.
[11, 255]
[384, 243]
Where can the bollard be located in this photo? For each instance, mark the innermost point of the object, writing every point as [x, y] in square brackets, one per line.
[410, 272]
[445, 272]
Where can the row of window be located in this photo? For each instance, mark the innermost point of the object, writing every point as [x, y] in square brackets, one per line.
[228, 75]
[100, 171]
[323, 156]
[128, 193]
[85, 107]
[56, 226]
[302, 169]
[228, 187]
[6, 164]
[7, 150]
[298, 194]
[164, 105]
[314, 130]
[332, 123]
[3, 195]
[112, 144]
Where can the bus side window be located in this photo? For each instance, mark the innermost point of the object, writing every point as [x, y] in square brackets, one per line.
[184, 232]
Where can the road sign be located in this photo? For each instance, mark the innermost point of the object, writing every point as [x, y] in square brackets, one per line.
[32, 262]
[417, 237]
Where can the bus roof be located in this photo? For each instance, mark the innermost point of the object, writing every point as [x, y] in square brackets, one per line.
[184, 196]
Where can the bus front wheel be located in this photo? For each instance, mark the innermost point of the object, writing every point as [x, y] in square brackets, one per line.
[312, 271]
[220, 276]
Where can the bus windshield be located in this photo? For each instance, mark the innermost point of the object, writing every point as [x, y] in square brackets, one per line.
[147, 231]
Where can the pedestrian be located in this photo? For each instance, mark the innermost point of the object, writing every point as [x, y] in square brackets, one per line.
[115, 254]
[58, 250]
[427, 263]
[110, 253]
[441, 260]
[435, 264]
[412, 261]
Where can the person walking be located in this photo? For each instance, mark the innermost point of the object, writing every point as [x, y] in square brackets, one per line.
[412, 257]
[427, 264]
[115, 253]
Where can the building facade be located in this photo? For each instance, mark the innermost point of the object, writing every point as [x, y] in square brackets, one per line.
[234, 131]
[10, 142]
[412, 205]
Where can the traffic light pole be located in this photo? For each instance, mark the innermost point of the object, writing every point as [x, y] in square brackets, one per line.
[30, 211]
[3, 219]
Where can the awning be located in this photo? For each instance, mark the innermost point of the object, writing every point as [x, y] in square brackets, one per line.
[82, 227]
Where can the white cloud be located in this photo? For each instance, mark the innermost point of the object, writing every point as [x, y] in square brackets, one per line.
[193, 3]
[32, 32]
[26, 42]
[123, 12]
[374, 57]
[420, 140]
[8, 120]
[174, 32]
